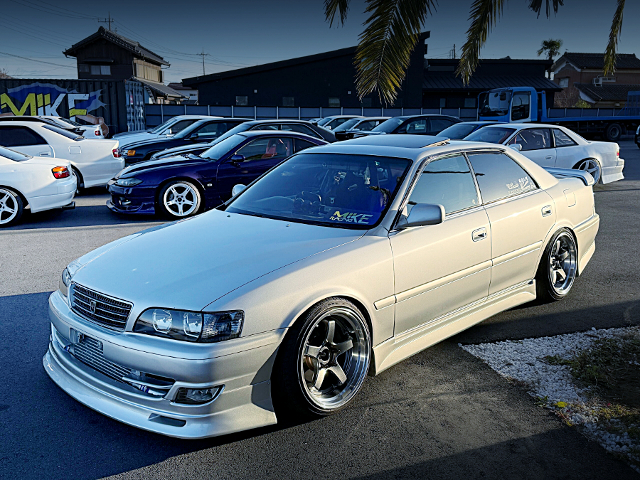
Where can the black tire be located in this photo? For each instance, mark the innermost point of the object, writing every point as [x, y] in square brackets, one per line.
[613, 132]
[179, 199]
[293, 395]
[80, 185]
[11, 207]
[562, 256]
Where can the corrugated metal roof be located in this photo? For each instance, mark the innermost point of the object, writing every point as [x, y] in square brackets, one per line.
[481, 83]
[608, 92]
[596, 60]
[160, 88]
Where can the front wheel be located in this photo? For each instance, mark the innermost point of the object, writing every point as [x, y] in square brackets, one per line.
[180, 199]
[323, 361]
[591, 166]
[558, 267]
[11, 207]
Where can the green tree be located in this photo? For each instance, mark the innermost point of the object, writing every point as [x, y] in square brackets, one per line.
[393, 26]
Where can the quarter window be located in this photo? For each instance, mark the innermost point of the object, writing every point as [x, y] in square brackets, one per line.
[302, 144]
[19, 137]
[266, 148]
[447, 182]
[533, 139]
[499, 176]
[562, 139]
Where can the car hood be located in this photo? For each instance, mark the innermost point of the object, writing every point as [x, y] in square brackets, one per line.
[183, 149]
[191, 263]
[139, 137]
[159, 163]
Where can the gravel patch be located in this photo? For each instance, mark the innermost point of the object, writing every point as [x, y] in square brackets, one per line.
[555, 388]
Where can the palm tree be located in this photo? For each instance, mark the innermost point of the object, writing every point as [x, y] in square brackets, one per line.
[392, 29]
[552, 48]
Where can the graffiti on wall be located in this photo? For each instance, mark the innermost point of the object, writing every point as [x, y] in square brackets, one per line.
[46, 99]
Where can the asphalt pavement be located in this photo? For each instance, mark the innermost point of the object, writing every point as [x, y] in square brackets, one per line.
[440, 414]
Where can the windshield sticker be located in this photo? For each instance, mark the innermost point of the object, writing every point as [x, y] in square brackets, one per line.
[349, 217]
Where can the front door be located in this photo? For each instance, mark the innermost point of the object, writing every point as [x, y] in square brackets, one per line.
[250, 161]
[439, 268]
[520, 214]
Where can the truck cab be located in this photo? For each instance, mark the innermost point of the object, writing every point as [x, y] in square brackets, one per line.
[512, 105]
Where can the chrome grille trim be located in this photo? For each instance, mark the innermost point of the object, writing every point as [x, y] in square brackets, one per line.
[111, 313]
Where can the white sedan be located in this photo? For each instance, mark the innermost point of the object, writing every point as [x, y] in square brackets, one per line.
[555, 146]
[32, 182]
[88, 131]
[94, 162]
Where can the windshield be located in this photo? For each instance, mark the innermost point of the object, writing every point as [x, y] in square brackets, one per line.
[457, 131]
[494, 103]
[324, 121]
[491, 134]
[64, 133]
[229, 133]
[222, 147]
[347, 125]
[164, 125]
[13, 155]
[325, 189]
[70, 122]
[389, 125]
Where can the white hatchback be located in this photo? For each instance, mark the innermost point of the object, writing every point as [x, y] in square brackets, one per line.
[556, 146]
[94, 162]
[32, 182]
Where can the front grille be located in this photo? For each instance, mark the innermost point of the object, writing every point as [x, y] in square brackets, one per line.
[98, 308]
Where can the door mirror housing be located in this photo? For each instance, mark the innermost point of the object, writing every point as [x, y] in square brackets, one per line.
[422, 214]
[516, 146]
[236, 159]
[239, 188]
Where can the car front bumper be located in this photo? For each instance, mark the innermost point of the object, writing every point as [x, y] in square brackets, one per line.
[140, 200]
[613, 173]
[244, 401]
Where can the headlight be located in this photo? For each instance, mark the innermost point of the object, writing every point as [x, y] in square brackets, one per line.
[190, 326]
[128, 182]
[65, 281]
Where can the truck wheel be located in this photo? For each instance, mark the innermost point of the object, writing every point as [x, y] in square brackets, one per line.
[613, 132]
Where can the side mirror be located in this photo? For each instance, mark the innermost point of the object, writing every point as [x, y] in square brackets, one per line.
[194, 136]
[422, 214]
[516, 146]
[236, 159]
[239, 188]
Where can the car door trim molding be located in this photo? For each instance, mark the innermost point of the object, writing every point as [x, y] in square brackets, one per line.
[521, 252]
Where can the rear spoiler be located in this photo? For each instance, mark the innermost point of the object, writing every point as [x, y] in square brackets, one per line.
[586, 177]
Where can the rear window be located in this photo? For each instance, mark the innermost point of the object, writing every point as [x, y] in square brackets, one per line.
[64, 133]
[491, 134]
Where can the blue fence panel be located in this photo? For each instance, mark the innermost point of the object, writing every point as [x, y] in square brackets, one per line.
[392, 112]
[352, 111]
[198, 110]
[373, 112]
[431, 111]
[219, 110]
[265, 112]
[411, 111]
[310, 112]
[288, 112]
[173, 110]
[243, 112]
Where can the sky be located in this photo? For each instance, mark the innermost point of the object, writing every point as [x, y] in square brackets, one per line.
[239, 33]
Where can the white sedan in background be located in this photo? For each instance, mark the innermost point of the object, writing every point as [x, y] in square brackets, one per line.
[88, 131]
[556, 146]
[36, 183]
[93, 162]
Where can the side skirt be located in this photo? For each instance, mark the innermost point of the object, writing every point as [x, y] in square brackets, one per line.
[409, 343]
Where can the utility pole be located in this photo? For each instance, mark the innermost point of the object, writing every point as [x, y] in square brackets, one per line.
[203, 55]
[107, 20]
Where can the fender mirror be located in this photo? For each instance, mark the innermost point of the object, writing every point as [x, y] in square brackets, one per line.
[239, 188]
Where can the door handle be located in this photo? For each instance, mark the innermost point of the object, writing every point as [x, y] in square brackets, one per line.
[548, 157]
[44, 154]
[479, 234]
[546, 210]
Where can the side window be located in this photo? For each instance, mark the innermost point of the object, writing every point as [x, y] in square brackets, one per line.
[438, 124]
[178, 126]
[520, 106]
[302, 144]
[298, 127]
[562, 139]
[416, 127]
[447, 182]
[266, 148]
[367, 126]
[268, 126]
[19, 137]
[533, 139]
[499, 176]
[212, 130]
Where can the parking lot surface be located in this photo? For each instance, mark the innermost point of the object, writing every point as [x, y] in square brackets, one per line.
[440, 414]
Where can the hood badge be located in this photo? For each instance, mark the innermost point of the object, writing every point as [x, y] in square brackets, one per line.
[92, 306]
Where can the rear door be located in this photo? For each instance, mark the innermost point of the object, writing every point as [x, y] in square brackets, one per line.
[25, 140]
[437, 124]
[520, 215]
[567, 150]
[259, 155]
[537, 145]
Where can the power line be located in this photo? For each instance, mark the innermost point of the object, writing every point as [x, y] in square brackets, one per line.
[38, 61]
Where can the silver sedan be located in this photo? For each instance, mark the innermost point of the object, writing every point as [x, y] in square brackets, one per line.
[338, 263]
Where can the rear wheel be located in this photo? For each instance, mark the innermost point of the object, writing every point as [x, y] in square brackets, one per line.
[11, 207]
[613, 132]
[323, 361]
[80, 184]
[591, 166]
[558, 267]
[180, 199]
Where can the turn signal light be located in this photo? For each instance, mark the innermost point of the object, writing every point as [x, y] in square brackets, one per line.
[116, 153]
[60, 172]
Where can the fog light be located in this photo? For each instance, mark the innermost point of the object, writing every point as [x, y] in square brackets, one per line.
[196, 396]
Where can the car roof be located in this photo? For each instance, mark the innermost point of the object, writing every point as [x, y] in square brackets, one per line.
[279, 133]
[521, 126]
[479, 122]
[278, 120]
